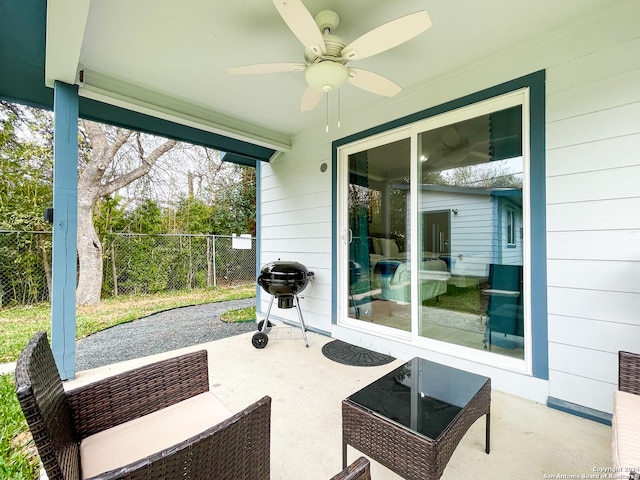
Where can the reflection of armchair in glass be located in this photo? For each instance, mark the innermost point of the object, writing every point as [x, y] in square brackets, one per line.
[505, 323]
[354, 276]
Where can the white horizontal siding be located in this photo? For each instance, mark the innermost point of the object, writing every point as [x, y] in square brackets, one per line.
[584, 362]
[593, 173]
[606, 184]
[597, 335]
[581, 390]
[295, 215]
[612, 57]
[311, 260]
[296, 203]
[618, 276]
[600, 95]
[305, 186]
[301, 230]
[312, 215]
[610, 153]
[295, 245]
[607, 306]
[622, 245]
[599, 125]
[616, 214]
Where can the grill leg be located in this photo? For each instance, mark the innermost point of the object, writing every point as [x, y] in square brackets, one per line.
[302, 324]
[265, 325]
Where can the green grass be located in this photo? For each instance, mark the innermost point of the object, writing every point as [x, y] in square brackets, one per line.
[18, 457]
[18, 324]
[458, 299]
[241, 315]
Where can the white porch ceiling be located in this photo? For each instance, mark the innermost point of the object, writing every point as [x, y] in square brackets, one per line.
[170, 58]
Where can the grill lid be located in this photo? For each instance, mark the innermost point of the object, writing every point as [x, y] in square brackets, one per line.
[284, 277]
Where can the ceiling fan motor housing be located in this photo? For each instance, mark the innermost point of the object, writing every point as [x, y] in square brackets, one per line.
[333, 45]
[326, 75]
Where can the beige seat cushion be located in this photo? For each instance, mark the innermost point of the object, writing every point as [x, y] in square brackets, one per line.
[625, 443]
[150, 434]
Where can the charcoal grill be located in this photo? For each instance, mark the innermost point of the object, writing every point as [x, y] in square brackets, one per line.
[283, 280]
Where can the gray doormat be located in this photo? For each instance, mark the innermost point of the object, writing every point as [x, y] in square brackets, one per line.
[348, 354]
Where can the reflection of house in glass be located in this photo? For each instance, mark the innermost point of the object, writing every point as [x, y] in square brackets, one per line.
[471, 228]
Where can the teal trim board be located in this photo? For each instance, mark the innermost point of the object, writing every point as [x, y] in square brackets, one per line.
[535, 82]
[65, 227]
[22, 52]
[237, 151]
[579, 410]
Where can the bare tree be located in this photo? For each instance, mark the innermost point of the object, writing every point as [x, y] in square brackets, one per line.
[98, 178]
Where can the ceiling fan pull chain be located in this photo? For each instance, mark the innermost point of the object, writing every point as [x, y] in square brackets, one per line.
[326, 129]
[338, 108]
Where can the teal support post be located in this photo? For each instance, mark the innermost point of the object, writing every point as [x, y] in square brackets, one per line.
[65, 228]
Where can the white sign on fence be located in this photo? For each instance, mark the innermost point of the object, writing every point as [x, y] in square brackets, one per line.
[242, 242]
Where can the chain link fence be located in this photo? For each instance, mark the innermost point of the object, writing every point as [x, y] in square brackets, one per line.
[132, 264]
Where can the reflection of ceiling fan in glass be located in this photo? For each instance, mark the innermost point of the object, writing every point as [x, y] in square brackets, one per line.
[446, 147]
[326, 55]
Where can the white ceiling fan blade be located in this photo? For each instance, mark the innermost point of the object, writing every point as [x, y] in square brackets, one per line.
[310, 99]
[267, 68]
[302, 24]
[373, 82]
[387, 36]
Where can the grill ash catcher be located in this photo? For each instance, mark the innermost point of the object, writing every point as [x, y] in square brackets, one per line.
[282, 280]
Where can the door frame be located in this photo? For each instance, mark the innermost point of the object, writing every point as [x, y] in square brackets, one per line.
[534, 129]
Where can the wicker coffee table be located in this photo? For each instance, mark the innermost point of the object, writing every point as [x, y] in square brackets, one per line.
[412, 419]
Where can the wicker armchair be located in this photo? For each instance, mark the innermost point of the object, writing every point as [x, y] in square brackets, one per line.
[80, 432]
[358, 470]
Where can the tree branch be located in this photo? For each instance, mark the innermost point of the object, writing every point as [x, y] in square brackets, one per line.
[125, 179]
[121, 139]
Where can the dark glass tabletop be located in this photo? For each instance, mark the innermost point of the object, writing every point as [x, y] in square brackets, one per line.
[421, 395]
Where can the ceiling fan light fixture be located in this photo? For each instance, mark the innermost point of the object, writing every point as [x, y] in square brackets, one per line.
[326, 76]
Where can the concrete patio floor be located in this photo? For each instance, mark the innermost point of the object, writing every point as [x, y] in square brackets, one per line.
[528, 440]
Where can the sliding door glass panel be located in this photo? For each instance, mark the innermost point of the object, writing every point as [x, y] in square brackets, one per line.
[378, 220]
[471, 233]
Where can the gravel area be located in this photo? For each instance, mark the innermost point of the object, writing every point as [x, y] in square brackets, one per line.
[160, 332]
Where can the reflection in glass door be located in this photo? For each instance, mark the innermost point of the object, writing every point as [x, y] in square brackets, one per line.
[436, 231]
[378, 201]
[470, 205]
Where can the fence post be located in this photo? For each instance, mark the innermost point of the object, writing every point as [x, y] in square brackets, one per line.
[114, 270]
[214, 259]
[209, 264]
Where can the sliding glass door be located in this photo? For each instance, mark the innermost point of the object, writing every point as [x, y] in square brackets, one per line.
[470, 182]
[378, 234]
[435, 230]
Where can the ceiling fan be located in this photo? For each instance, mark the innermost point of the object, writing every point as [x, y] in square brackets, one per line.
[326, 54]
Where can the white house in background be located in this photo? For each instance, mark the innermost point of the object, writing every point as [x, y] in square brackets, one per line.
[472, 228]
[554, 84]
